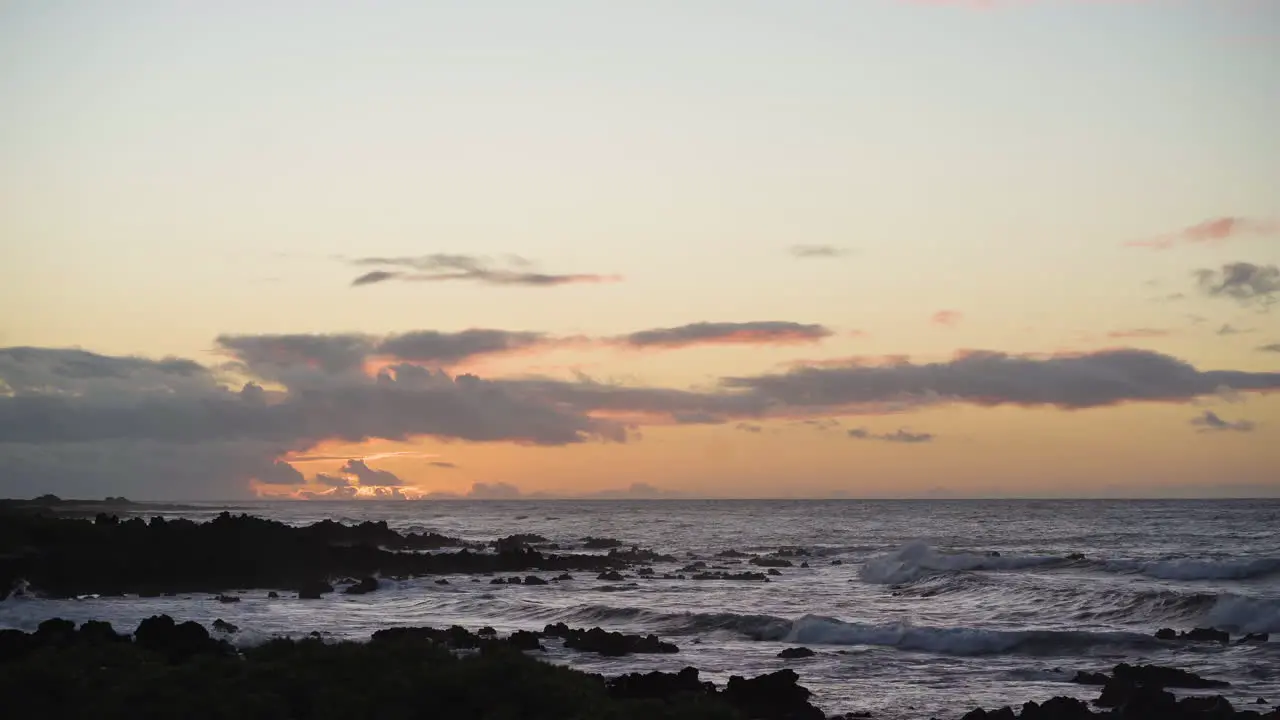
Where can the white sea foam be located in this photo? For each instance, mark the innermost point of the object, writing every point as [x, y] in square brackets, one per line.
[915, 560]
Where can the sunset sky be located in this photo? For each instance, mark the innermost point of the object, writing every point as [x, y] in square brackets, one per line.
[489, 248]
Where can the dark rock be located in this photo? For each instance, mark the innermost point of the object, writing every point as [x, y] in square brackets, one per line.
[611, 576]
[564, 576]
[792, 552]
[100, 631]
[645, 572]
[364, 587]
[731, 553]
[610, 644]
[694, 567]
[1088, 678]
[525, 640]
[513, 581]
[770, 562]
[595, 543]
[497, 581]
[313, 590]
[1210, 705]
[804, 564]
[1260, 701]
[837, 562]
[176, 641]
[776, 696]
[534, 580]
[796, 652]
[1166, 634]
[1075, 556]
[774, 571]
[273, 595]
[228, 599]
[1164, 677]
[486, 631]
[1254, 638]
[659, 686]
[730, 576]
[1206, 635]
[224, 626]
[442, 581]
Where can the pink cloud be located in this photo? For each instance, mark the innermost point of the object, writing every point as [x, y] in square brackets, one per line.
[947, 318]
[1210, 232]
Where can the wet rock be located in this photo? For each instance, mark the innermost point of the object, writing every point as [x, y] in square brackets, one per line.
[837, 562]
[228, 599]
[659, 685]
[595, 543]
[1165, 677]
[792, 552]
[519, 539]
[486, 631]
[1206, 635]
[1254, 638]
[224, 626]
[176, 641]
[796, 652]
[770, 562]
[1075, 556]
[636, 555]
[525, 640]
[610, 644]
[1088, 678]
[776, 696]
[611, 576]
[497, 581]
[774, 571]
[513, 581]
[313, 590]
[564, 576]
[730, 576]
[694, 567]
[645, 572]
[364, 587]
[100, 631]
[804, 564]
[273, 595]
[442, 581]
[1166, 634]
[731, 553]
[534, 580]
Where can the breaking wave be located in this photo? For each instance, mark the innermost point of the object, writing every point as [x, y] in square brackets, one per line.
[1188, 569]
[916, 560]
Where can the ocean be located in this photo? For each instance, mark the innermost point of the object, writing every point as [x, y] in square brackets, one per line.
[915, 608]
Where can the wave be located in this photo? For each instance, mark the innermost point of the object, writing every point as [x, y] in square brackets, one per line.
[916, 560]
[1188, 569]
[1245, 614]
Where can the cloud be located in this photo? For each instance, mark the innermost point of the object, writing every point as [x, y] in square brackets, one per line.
[1273, 347]
[1213, 231]
[1228, 329]
[440, 267]
[493, 491]
[447, 348]
[724, 333]
[635, 491]
[442, 464]
[1136, 333]
[1210, 422]
[748, 427]
[817, 251]
[368, 476]
[899, 436]
[947, 318]
[984, 378]
[269, 355]
[1242, 281]
[335, 481]
[279, 473]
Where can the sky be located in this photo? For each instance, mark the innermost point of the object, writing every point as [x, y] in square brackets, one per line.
[709, 248]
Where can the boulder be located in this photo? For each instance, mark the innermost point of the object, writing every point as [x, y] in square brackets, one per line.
[366, 585]
[534, 580]
[796, 652]
[313, 590]
[224, 626]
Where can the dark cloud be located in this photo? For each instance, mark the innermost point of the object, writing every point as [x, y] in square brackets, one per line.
[1228, 329]
[1242, 281]
[748, 427]
[1273, 347]
[448, 348]
[367, 476]
[440, 267]
[714, 333]
[817, 251]
[899, 436]
[442, 464]
[279, 473]
[374, 277]
[269, 355]
[1209, 421]
[1080, 380]
[331, 480]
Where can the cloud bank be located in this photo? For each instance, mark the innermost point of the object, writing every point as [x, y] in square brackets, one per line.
[442, 267]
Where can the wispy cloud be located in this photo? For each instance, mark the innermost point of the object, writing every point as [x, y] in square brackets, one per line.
[1273, 347]
[1209, 421]
[817, 251]
[1138, 333]
[1229, 329]
[1210, 232]
[947, 318]
[772, 332]
[902, 435]
[442, 267]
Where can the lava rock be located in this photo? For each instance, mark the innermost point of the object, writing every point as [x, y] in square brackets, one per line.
[770, 562]
[364, 587]
[313, 590]
[224, 626]
[609, 644]
[611, 576]
[796, 652]
[534, 580]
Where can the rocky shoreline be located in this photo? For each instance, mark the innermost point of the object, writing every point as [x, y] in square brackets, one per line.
[171, 669]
